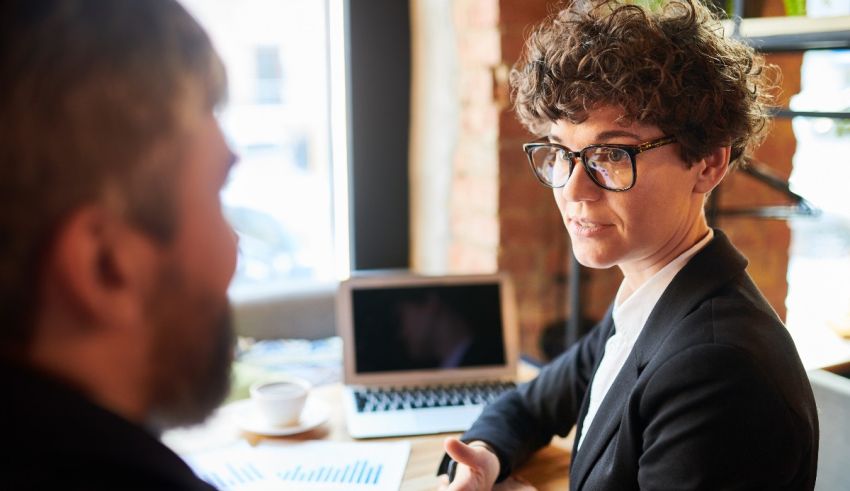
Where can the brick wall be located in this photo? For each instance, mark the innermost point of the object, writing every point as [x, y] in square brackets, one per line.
[534, 244]
[474, 206]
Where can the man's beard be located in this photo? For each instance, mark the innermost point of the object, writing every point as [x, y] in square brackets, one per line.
[192, 353]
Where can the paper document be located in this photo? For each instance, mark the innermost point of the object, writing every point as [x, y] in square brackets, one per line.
[303, 466]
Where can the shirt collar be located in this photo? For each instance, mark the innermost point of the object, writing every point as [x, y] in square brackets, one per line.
[631, 314]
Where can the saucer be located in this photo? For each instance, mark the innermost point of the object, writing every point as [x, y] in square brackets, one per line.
[248, 418]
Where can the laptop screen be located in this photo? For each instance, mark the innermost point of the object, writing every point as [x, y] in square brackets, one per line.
[427, 327]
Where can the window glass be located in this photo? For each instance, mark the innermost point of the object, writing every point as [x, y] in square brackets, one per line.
[818, 287]
[276, 118]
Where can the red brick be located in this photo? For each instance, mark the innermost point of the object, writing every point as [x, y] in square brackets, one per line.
[473, 194]
[476, 86]
[524, 12]
[511, 130]
[512, 156]
[789, 67]
[527, 231]
[771, 8]
[478, 229]
[501, 88]
[519, 262]
[480, 47]
[477, 13]
[513, 44]
[511, 240]
[523, 194]
[476, 158]
[766, 244]
[526, 282]
[518, 219]
[778, 147]
[480, 120]
[516, 170]
[599, 286]
[467, 259]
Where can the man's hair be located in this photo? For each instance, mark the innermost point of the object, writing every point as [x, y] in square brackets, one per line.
[95, 97]
[670, 66]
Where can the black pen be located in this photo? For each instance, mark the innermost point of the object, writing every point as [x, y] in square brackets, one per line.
[451, 469]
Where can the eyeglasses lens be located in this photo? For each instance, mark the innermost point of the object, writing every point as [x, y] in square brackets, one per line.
[551, 165]
[611, 167]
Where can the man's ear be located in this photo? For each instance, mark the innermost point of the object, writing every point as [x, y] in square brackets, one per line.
[99, 267]
[712, 169]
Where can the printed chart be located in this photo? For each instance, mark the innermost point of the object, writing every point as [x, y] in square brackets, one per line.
[318, 465]
[357, 472]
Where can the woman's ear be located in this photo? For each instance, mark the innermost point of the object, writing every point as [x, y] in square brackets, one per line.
[712, 169]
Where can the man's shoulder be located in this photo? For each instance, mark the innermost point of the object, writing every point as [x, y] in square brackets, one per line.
[56, 439]
[74, 472]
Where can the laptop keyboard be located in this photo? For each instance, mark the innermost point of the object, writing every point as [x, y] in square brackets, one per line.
[391, 399]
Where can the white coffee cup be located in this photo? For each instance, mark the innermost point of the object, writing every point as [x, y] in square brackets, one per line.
[280, 401]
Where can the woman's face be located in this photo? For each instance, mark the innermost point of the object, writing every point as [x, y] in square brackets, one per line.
[639, 230]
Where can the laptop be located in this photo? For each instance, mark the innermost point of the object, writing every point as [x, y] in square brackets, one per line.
[424, 354]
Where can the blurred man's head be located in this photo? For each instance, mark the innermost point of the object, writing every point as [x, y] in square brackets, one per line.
[112, 240]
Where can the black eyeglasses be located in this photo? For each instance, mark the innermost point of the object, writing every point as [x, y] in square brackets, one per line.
[611, 166]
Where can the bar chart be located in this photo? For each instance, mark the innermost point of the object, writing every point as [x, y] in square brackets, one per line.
[232, 475]
[359, 472]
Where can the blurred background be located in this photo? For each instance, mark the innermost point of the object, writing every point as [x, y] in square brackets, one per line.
[378, 134]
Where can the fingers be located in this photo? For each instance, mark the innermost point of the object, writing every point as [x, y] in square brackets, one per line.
[461, 452]
[477, 467]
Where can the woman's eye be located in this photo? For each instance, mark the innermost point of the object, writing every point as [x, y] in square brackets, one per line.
[616, 155]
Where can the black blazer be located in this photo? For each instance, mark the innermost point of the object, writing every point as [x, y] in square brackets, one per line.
[712, 397]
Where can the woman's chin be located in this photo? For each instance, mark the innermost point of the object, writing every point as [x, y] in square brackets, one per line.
[593, 258]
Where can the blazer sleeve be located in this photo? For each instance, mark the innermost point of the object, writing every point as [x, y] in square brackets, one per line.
[715, 421]
[525, 419]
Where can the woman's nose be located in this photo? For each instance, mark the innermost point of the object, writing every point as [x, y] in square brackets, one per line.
[579, 186]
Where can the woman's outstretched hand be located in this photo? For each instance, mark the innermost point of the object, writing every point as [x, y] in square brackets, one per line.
[477, 470]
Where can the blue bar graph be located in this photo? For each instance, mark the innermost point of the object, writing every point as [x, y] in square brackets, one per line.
[360, 472]
[233, 475]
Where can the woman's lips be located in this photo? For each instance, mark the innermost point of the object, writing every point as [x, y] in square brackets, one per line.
[586, 228]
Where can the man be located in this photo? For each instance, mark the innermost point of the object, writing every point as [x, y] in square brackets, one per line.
[690, 381]
[114, 254]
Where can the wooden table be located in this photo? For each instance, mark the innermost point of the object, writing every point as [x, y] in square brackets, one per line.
[547, 470]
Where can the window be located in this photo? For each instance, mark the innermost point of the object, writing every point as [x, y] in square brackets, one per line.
[819, 293]
[818, 290]
[269, 77]
[279, 198]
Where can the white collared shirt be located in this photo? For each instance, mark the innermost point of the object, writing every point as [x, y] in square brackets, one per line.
[630, 315]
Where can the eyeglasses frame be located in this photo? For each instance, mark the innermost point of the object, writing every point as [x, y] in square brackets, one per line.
[631, 150]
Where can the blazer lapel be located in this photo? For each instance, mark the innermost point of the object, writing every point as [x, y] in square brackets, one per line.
[709, 269]
[605, 424]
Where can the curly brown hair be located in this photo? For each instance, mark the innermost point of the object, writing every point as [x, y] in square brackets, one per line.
[670, 67]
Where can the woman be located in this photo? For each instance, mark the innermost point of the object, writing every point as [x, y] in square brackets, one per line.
[691, 380]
